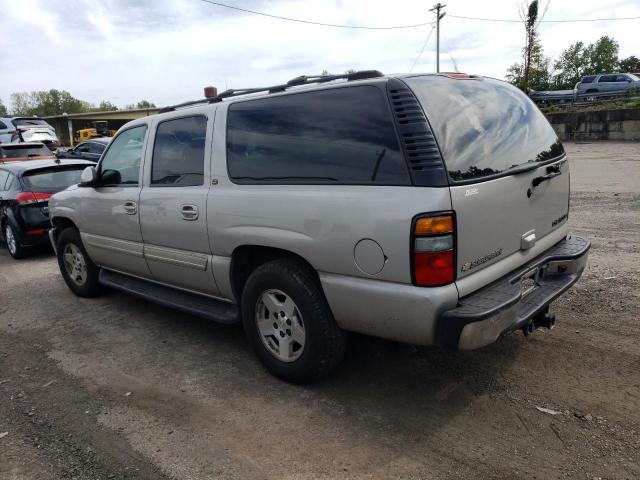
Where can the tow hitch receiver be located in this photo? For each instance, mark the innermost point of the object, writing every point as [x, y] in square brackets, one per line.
[542, 319]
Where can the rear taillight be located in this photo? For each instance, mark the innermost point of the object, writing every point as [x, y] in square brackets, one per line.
[27, 198]
[433, 245]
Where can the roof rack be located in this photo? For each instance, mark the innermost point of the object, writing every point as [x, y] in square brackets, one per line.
[294, 82]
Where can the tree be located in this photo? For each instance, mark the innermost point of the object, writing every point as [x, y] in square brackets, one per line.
[630, 64]
[531, 19]
[3, 110]
[602, 56]
[579, 60]
[46, 103]
[145, 104]
[540, 73]
[105, 106]
[571, 66]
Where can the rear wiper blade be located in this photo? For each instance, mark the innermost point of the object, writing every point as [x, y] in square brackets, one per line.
[523, 167]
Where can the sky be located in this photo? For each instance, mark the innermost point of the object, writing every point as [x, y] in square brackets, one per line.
[166, 51]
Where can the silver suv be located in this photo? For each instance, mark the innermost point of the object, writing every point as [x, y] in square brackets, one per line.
[429, 209]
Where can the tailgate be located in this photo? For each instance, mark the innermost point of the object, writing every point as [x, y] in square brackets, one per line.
[508, 174]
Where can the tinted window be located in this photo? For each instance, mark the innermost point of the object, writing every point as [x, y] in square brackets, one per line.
[622, 78]
[19, 150]
[2, 125]
[342, 135]
[484, 126]
[96, 148]
[29, 122]
[52, 179]
[589, 79]
[608, 78]
[178, 152]
[121, 163]
[3, 178]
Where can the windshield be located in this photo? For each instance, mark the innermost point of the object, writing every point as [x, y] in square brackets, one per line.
[52, 179]
[24, 151]
[635, 78]
[484, 127]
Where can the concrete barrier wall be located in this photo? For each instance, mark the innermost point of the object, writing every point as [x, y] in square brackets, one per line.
[621, 124]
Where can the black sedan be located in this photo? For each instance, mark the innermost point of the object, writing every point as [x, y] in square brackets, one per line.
[89, 150]
[25, 189]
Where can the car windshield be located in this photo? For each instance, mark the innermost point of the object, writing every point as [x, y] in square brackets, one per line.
[52, 179]
[633, 77]
[484, 127]
[20, 150]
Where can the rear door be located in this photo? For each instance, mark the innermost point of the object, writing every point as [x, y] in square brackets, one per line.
[509, 179]
[173, 204]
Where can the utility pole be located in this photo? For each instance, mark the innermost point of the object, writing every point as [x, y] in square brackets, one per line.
[437, 7]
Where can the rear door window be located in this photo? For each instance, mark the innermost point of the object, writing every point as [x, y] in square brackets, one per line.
[484, 127]
[608, 78]
[178, 152]
[335, 136]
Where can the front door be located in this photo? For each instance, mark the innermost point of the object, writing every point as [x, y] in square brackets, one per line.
[110, 212]
[173, 205]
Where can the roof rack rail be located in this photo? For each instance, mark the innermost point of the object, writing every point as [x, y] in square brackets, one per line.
[294, 82]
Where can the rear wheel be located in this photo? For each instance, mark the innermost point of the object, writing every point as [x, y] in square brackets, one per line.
[79, 272]
[16, 250]
[288, 322]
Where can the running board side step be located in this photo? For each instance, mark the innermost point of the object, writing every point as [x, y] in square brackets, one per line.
[209, 308]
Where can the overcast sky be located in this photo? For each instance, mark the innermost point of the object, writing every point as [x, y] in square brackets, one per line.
[166, 51]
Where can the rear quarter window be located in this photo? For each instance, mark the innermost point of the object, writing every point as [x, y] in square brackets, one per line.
[484, 126]
[335, 136]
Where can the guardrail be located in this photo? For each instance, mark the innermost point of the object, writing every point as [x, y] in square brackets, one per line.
[573, 98]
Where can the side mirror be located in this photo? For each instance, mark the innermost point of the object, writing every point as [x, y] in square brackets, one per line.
[89, 177]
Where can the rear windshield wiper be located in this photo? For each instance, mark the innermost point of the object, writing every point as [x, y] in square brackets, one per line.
[523, 167]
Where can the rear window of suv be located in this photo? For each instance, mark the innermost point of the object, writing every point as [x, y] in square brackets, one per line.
[336, 136]
[29, 122]
[484, 126]
[19, 150]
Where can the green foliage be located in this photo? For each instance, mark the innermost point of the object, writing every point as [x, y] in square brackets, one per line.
[579, 60]
[145, 104]
[540, 74]
[46, 103]
[630, 64]
[105, 106]
[3, 110]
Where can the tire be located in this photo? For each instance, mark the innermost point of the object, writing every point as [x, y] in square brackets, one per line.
[79, 272]
[14, 248]
[291, 285]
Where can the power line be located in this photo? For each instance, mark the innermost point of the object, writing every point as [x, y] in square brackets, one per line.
[311, 22]
[424, 45]
[546, 21]
[396, 27]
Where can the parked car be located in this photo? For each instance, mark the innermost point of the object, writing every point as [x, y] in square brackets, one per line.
[7, 131]
[15, 152]
[34, 129]
[25, 189]
[429, 209]
[89, 150]
[610, 82]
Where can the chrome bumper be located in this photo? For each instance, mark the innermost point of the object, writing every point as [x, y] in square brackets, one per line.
[512, 302]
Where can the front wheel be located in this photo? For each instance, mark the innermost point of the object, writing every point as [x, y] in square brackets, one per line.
[79, 272]
[288, 322]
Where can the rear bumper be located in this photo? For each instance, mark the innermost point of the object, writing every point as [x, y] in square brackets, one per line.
[502, 307]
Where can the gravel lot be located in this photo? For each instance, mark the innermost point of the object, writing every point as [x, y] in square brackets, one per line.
[120, 388]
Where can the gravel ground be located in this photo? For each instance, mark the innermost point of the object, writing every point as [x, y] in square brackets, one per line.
[116, 387]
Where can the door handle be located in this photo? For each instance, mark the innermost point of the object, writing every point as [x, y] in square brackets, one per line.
[189, 212]
[130, 208]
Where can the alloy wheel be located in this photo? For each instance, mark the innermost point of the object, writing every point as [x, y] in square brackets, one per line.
[280, 325]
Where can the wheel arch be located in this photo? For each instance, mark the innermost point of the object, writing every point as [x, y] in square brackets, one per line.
[60, 224]
[246, 258]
